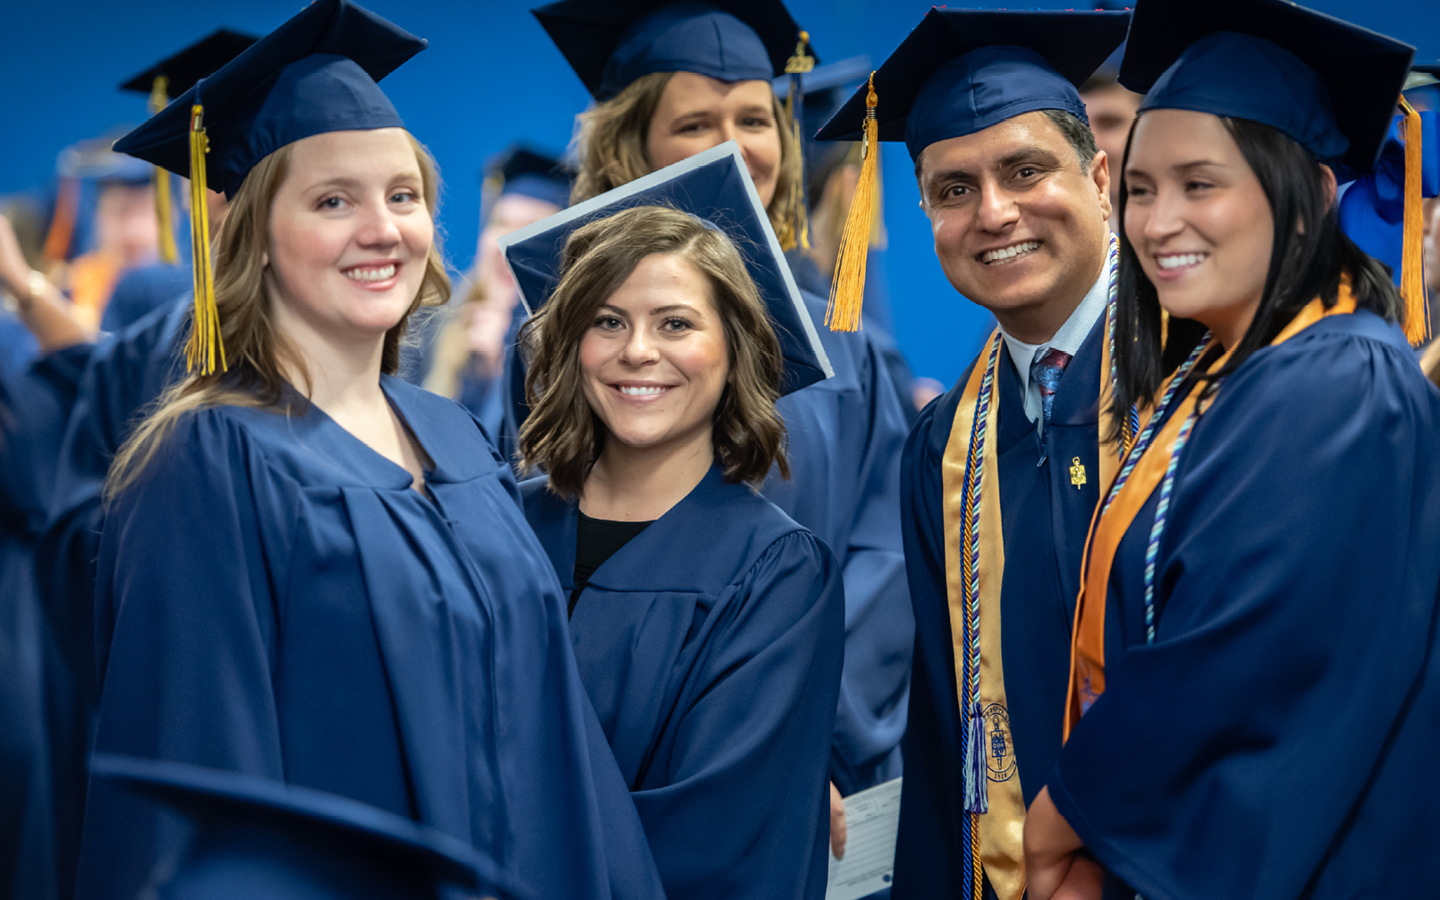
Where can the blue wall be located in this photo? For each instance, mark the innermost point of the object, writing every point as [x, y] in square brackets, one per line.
[489, 76]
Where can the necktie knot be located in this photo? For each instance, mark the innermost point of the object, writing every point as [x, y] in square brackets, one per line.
[1045, 370]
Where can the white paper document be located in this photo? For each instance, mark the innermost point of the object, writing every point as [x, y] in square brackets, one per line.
[871, 819]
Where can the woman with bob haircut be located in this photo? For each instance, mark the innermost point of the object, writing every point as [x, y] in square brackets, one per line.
[671, 80]
[1255, 697]
[310, 571]
[708, 626]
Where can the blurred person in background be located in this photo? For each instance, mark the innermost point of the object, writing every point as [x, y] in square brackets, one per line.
[468, 358]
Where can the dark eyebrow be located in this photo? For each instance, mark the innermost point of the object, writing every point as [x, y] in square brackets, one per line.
[674, 307]
[1028, 154]
[1180, 168]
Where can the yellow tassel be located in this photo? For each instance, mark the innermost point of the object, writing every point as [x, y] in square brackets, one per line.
[796, 231]
[1412, 260]
[847, 288]
[205, 349]
[159, 99]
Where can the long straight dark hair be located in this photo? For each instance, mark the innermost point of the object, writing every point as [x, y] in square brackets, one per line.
[1304, 264]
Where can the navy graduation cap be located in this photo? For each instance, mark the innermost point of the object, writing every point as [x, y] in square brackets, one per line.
[181, 70]
[1330, 86]
[255, 838]
[175, 75]
[715, 187]
[963, 70]
[611, 44]
[522, 170]
[314, 74]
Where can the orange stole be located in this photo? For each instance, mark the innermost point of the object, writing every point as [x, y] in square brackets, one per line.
[1087, 641]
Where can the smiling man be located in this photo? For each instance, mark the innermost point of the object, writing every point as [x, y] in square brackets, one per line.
[1001, 474]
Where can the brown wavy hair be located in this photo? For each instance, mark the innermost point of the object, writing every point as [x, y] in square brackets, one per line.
[610, 140]
[256, 351]
[563, 435]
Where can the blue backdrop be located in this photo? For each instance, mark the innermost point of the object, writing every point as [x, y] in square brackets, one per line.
[489, 77]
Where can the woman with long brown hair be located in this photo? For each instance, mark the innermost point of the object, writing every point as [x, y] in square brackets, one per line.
[310, 571]
[708, 626]
[671, 80]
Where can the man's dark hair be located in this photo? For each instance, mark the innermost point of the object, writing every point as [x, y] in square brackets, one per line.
[1303, 266]
[1078, 134]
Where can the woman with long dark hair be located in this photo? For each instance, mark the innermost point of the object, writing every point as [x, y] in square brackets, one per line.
[310, 571]
[1254, 697]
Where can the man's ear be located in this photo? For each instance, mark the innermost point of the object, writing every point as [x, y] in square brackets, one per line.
[1100, 175]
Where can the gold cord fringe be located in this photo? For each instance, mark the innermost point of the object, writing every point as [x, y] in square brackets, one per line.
[847, 288]
[205, 348]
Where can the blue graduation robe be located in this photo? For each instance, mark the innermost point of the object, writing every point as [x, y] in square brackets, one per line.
[33, 409]
[845, 438]
[711, 647]
[1044, 519]
[1278, 738]
[144, 289]
[274, 598]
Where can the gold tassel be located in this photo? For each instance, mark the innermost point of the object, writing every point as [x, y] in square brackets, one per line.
[1412, 260]
[205, 348]
[847, 288]
[159, 99]
[795, 231]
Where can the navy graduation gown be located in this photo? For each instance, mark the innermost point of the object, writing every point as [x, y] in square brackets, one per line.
[144, 289]
[845, 437]
[1277, 739]
[711, 647]
[33, 410]
[1044, 518]
[274, 598]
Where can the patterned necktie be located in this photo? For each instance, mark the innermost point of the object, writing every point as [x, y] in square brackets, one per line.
[1045, 370]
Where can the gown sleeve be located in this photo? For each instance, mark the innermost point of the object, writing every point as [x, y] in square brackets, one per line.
[1296, 585]
[185, 629]
[927, 856]
[743, 813]
[879, 624]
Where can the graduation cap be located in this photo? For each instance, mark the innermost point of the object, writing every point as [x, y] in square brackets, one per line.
[959, 72]
[963, 70]
[175, 75]
[715, 187]
[522, 170]
[826, 87]
[1330, 86]
[253, 837]
[611, 43]
[181, 70]
[315, 74]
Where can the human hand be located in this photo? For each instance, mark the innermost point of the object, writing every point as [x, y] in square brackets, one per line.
[14, 270]
[837, 822]
[1053, 870]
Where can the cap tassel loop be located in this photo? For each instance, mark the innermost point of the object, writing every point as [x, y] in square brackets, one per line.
[159, 99]
[1412, 260]
[796, 232]
[847, 288]
[205, 349]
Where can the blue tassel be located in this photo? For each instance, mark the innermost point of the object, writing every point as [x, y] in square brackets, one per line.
[977, 798]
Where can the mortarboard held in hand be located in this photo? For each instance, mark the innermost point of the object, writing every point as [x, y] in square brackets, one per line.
[314, 74]
[253, 838]
[715, 187]
[1328, 85]
[959, 72]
